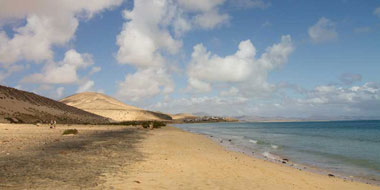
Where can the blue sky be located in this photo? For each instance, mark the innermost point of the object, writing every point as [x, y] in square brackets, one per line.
[287, 58]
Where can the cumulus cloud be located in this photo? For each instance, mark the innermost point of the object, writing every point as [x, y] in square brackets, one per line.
[94, 70]
[86, 86]
[242, 68]
[250, 3]
[359, 99]
[144, 34]
[323, 31]
[9, 71]
[200, 5]
[211, 19]
[145, 83]
[322, 102]
[376, 12]
[63, 72]
[59, 92]
[153, 30]
[48, 23]
[233, 91]
[233, 68]
[326, 102]
[212, 105]
[207, 13]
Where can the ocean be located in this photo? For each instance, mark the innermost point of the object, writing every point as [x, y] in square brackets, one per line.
[349, 148]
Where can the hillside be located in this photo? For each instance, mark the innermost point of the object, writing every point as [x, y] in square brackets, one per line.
[25, 107]
[182, 116]
[106, 106]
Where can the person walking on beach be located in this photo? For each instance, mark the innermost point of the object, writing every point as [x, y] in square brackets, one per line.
[53, 124]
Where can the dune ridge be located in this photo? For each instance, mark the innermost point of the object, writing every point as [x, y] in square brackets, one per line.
[112, 108]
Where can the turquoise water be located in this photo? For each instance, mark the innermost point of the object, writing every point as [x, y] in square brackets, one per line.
[347, 147]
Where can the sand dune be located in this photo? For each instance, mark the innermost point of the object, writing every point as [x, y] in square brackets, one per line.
[182, 116]
[109, 107]
[25, 107]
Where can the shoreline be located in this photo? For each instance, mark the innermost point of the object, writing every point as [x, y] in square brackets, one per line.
[279, 159]
[126, 157]
[179, 159]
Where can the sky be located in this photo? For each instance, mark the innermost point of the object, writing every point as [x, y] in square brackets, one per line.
[289, 58]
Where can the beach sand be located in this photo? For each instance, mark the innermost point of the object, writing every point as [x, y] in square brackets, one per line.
[175, 159]
[34, 157]
[116, 157]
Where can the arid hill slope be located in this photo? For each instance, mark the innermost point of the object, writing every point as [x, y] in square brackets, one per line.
[25, 107]
[182, 116]
[106, 106]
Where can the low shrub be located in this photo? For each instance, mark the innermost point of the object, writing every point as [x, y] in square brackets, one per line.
[70, 131]
[145, 124]
[158, 124]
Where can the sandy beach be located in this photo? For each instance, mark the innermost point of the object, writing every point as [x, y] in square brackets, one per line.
[119, 157]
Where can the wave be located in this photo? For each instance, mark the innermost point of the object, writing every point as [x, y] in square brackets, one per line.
[274, 146]
[253, 141]
[271, 156]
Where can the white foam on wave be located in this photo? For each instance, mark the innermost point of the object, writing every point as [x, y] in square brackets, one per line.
[271, 156]
[274, 146]
[253, 141]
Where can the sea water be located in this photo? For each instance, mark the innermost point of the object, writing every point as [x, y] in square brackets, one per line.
[351, 148]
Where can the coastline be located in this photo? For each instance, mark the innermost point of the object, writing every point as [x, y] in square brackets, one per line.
[178, 159]
[126, 157]
[243, 145]
[281, 160]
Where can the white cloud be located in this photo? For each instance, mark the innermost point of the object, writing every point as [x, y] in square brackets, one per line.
[241, 68]
[207, 13]
[94, 70]
[9, 71]
[211, 19]
[213, 105]
[233, 68]
[86, 86]
[64, 72]
[250, 3]
[145, 83]
[360, 99]
[147, 39]
[376, 12]
[199, 85]
[322, 102]
[323, 31]
[145, 34]
[46, 25]
[200, 5]
[59, 92]
[230, 92]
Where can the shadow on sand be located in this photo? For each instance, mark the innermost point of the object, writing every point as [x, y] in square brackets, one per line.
[75, 163]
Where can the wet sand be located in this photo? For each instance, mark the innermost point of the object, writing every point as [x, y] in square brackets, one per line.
[115, 157]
